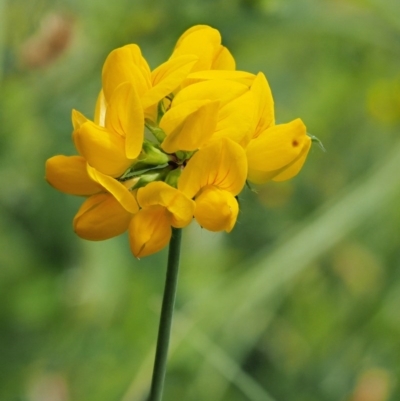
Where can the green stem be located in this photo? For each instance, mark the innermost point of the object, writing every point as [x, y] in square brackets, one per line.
[167, 311]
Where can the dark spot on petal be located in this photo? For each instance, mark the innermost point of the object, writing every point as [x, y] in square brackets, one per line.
[295, 143]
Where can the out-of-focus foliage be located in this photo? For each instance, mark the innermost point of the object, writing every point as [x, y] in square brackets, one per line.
[300, 302]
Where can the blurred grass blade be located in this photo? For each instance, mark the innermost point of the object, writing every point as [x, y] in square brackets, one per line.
[330, 225]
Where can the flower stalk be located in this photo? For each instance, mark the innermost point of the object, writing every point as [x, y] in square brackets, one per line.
[167, 311]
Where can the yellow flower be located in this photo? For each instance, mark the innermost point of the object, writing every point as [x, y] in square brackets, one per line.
[162, 207]
[276, 152]
[213, 177]
[101, 217]
[110, 205]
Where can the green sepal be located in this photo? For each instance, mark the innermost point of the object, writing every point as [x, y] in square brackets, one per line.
[151, 158]
[161, 109]
[149, 177]
[317, 141]
[152, 155]
[172, 177]
[158, 133]
[183, 155]
[136, 171]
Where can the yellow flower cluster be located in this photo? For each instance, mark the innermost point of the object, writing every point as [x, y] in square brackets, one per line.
[174, 143]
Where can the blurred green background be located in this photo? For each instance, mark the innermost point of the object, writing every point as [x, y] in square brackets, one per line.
[300, 302]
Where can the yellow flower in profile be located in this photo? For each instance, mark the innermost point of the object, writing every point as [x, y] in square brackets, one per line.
[101, 217]
[276, 152]
[162, 207]
[107, 211]
[213, 177]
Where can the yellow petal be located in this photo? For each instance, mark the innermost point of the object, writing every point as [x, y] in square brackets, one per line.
[222, 164]
[285, 173]
[236, 119]
[205, 42]
[167, 77]
[104, 150]
[261, 177]
[78, 119]
[202, 41]
[223, 60]
[122, 194]
[265, 110]
[126, 64]
[243, 77]
[190, 31]
[189, 125]
[293, 168]
[178, 205]
[125, 117]
[236, 116]
[175, 116]
[216, 209]
[101, 217]
[100, 110]
[149, 231]
[277, 146]
[216, 89]
[68, 174]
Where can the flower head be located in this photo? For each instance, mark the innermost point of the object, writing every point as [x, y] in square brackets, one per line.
[213, 127]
